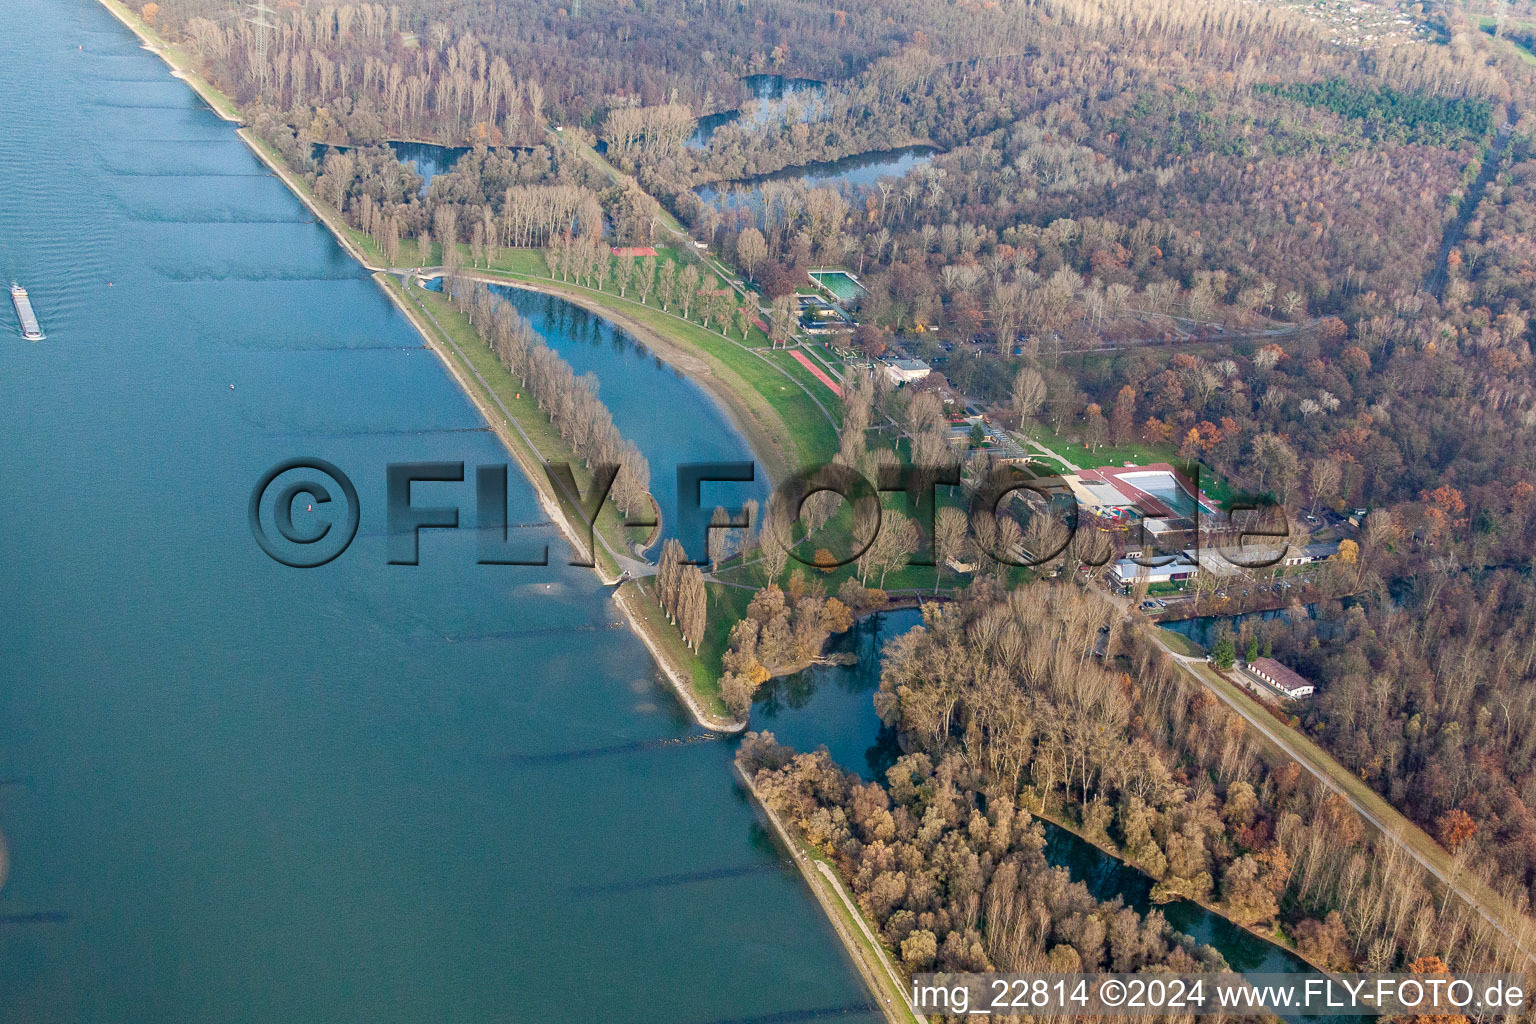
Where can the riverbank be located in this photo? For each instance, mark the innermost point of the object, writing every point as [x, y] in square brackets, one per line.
[177, 60]
[506, 422]
[869, 956]
[502, 421]
[530, 438]
[841, 913]
[768, 443]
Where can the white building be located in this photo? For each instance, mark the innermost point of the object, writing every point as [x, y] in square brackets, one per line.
[1128, 571]
[1278, 677]
[906, 371]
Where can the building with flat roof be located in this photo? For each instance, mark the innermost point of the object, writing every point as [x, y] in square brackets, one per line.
[1276, 676]
[1098, 496]
[1128, 571]
[906, 371]
[1158, 493]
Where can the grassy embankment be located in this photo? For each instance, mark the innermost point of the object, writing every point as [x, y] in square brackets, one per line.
[869, 954]
[535, 438]
[776, 403]
[534, 441]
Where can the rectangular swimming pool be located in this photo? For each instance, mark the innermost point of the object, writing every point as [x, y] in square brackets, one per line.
[839, 282]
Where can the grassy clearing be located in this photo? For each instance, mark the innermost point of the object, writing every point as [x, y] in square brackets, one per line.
[1138, 452]
[1182, 644]
[1487, 22]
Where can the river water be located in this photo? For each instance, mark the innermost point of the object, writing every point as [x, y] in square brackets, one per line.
[851, 172]
[668, 416]
[361, 792]
[832, 706]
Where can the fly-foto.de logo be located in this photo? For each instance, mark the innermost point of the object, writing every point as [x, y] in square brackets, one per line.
[1250, 536]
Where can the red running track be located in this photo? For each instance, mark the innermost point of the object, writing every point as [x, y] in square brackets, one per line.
[816, 371]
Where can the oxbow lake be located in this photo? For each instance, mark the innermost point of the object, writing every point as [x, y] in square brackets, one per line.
[669, 416]
[772, 97]
[852, 172]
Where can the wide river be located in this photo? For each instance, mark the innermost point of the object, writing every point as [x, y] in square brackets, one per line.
[235, 791]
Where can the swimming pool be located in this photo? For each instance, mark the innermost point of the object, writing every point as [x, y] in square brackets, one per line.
[1167, 489]
[839, 282]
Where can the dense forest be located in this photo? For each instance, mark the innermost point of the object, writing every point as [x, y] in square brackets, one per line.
[1042, 700]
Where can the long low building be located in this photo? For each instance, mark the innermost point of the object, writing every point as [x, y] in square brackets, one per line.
[1129, 571]
[1278, 677]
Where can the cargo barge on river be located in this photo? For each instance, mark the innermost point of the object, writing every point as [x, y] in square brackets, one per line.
[29, 328]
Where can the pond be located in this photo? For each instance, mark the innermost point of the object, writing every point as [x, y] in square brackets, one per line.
[430, 160]
[770, 100]
[851, 172]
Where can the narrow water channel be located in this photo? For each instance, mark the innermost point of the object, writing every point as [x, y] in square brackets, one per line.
[669, 417]
[832, 706]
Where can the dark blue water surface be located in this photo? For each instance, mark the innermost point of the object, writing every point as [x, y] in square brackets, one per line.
[770, 96]
[357, 793]
[852, 172]
[428, 159]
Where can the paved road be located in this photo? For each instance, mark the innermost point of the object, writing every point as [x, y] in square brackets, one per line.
[1277, 735]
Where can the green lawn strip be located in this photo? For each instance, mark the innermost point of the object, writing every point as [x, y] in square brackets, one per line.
[1137, 452]
[1182, 644]
[822, 355]
[893, 995]
[706, 680]
[793, 367]
[727, 606]
[813, 437]
[1488, 21]
[519, 261]
[548, 445]
[1104, 454]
